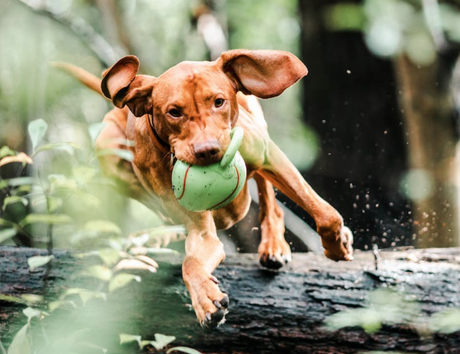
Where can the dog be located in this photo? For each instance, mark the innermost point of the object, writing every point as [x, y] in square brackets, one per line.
[187, 113]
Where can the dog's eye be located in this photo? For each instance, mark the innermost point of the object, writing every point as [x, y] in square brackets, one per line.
[219, 102]
[175, 113]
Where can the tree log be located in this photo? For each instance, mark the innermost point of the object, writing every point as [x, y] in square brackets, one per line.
[270, 312]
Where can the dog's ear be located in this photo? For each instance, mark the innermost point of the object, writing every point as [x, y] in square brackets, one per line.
[123, 86]
[263, 73]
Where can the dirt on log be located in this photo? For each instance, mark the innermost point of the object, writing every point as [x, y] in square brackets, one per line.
[270, 312]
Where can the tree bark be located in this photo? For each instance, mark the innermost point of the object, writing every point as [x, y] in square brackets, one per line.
[270, 312]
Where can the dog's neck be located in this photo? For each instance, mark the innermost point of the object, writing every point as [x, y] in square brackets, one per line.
[160, 144]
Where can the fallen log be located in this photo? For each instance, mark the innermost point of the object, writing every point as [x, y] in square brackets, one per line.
[270, 312]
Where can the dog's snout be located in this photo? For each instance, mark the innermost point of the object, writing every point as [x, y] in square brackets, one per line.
[207, 151]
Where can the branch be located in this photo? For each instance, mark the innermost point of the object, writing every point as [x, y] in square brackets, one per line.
[101, 49]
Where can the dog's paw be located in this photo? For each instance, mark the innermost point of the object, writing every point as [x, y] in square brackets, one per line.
[274, 253]
[342, 249]
[210, 304]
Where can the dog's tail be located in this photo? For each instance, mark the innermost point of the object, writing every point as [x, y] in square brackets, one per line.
[86, 78]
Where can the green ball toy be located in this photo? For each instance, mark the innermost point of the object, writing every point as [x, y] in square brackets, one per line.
[199, 188]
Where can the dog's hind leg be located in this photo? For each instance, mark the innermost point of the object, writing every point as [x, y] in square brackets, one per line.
[274, 251]
[120, 171]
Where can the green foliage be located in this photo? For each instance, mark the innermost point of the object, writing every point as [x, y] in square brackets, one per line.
[387, 307]
[38, 261]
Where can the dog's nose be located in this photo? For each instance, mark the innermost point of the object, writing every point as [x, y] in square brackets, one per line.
[207, 151]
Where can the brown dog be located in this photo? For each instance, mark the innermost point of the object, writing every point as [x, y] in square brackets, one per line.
[188, 113]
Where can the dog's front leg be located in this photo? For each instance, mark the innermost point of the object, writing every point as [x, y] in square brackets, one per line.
[204, 252]
[337, 239]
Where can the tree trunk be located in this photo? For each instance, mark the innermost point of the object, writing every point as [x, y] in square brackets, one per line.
[270, 312]
[430, 119]
[350, 100]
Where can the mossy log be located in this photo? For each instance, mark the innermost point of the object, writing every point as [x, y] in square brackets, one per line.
[270, 312]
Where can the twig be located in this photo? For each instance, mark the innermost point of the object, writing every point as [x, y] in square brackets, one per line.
[102, 50]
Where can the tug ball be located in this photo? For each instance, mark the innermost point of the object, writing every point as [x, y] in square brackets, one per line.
[199, 188]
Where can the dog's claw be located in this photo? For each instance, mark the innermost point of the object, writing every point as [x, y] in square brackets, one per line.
[271, 262]
[217, 304]
[215, 280]
[214, 320]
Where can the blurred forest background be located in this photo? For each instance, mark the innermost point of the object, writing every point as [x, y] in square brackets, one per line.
[373, 127]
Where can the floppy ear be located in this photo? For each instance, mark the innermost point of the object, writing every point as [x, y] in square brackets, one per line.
[123, 86]
[263, 73]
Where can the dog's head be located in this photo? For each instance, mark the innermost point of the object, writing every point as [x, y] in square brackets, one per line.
[194, 104]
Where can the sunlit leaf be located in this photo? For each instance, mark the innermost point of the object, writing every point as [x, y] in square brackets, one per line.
[31, 313]
[32, 298]
[10, 298]
[37, 130]
[109, 256]
[98, 271]
[46, 219]
[54, 305]
[134, 264]
[162, 341]
[14, 182]
[6, 234]
[129, 338]
[20, 343]
[102, 227]
[59, 182]
[14, 199]
[447, 321]
[147, 260]
[38, 261]
[124, 154]
[84, 174]
[121, 280]
[21, 157]
[184, 350]
[68, 147]
[6, 151]
[84, 294]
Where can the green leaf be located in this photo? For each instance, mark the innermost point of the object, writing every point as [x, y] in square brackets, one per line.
[6, 234]
[95, 129]
[121, 280]
[124, 154]
[184, 350]
[32, 298]
[84, 174]
[20, 344]
[129, 338]
[447, 321]
[84, 294]
[6, 151]
[31, 313]
[46, 219]
[37, 130]
[162, 341]
[109, 256]
[98, 271]
[65, 146]
[102, 227]
[10, 298]
[38, 261]
[54, 305]
[59, 182]
[14, 199]
[14, 182]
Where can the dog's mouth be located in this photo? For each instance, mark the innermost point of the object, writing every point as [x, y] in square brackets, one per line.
[196, 159]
